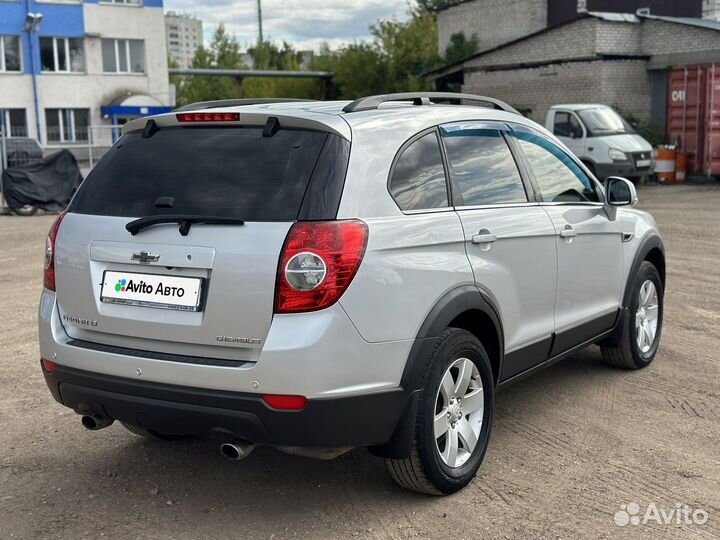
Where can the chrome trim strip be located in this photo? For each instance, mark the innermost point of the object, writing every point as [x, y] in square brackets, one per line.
[499, 205]
[427, 210]
[589, 203]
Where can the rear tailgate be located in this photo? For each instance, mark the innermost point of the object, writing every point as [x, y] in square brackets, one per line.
[209, 293]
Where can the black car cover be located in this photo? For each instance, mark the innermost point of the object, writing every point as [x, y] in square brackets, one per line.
[47, 183]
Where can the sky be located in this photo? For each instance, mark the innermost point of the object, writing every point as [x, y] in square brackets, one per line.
[304, 23]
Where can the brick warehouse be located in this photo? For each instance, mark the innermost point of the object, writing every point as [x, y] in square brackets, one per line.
[618, 59]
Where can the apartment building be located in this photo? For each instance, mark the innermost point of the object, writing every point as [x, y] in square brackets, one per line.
[184, 37]
[66, 65]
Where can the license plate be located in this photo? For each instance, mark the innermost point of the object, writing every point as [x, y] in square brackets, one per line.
[151, 290]
[643, 163]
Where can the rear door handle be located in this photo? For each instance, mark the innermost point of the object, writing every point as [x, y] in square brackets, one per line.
[483, 237]
[568, 232]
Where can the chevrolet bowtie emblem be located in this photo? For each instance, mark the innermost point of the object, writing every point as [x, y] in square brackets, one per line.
[144, 257]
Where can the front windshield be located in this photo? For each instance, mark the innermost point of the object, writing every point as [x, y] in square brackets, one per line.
[604, 121]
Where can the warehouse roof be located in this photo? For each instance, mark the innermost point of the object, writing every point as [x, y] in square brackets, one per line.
[708, 24]
[606, 16]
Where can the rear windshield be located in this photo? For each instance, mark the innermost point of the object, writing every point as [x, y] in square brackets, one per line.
[227, 172]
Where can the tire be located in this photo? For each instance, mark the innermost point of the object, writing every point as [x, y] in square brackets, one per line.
[628, 353]
[25, 210]
[427, 469]
[142, 432]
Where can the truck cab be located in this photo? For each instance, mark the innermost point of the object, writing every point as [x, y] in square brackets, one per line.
[603, 141]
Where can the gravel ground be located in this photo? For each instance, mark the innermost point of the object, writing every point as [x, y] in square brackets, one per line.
[569, 446]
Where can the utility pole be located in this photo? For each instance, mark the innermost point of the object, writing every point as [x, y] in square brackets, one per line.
[260, 33]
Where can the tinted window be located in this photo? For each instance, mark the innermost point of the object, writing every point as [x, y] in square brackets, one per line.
[418, 180]
[560, 179]
[483, 167]
[208, 171]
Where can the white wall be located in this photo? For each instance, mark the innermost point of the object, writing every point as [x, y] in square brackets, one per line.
[94, 88]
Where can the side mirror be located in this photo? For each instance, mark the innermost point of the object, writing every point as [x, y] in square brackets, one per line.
[576, 132]
[620, 191]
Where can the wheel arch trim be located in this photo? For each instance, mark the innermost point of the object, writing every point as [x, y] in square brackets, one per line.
[463, 299]
[649, 246]
[452, 304]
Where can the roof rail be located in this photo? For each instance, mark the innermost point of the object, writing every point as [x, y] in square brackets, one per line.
[423, 98]
[200, 105]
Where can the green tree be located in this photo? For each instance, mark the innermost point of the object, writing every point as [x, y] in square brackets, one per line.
[460, 47]
[268, 56]
[431, 6]
[410, 49]
[224, 52]
[392, 61]
[358, 69]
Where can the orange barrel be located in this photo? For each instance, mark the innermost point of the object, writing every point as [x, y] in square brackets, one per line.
[680, 167]
[665, 164]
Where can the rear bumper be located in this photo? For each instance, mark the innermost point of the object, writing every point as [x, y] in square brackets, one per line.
[360, 420]
[319, 355]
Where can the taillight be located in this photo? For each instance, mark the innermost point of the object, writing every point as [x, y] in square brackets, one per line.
[318, 262]
[49, 274]
[207, 117]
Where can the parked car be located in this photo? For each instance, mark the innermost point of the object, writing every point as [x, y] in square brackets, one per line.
[327, 275]
[603, 141]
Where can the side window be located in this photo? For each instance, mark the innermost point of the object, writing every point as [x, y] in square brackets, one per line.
[483, 166]
[560, 179]
[567, 125]
[418, 180]
[561, 125]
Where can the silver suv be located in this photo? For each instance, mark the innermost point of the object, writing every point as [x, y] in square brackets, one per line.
[318, 276]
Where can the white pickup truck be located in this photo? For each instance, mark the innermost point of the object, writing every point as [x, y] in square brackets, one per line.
[602, 140]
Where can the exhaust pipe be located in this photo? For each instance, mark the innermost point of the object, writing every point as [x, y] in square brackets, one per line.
[235, 451]
[93, 423]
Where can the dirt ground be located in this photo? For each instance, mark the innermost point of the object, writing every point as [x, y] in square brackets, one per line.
[569, 446]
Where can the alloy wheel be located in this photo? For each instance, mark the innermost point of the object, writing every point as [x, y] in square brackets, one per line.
[459, 409]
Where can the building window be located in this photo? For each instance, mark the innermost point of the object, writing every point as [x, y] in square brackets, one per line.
[9, 53]
[62, 55]
[13, 122]
[123, 56]
[67, 125]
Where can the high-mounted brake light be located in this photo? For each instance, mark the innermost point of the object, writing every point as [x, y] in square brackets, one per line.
[318, 263]
[49, 273]
[207, 117]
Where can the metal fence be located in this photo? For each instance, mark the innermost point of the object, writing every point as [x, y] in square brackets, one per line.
[17, 149]
[89, 145]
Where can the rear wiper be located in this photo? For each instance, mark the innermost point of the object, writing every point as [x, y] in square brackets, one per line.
[185, 221]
